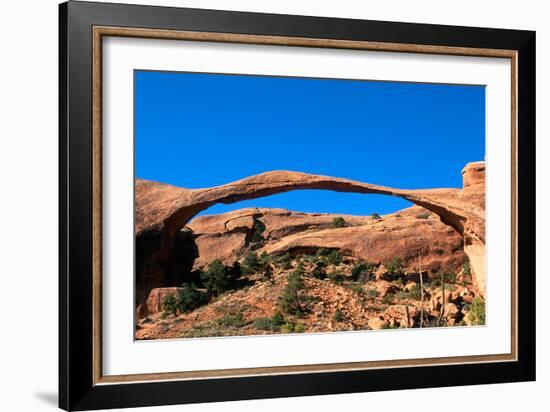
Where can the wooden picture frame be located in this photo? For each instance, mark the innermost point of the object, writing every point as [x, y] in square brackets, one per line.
[82, 384]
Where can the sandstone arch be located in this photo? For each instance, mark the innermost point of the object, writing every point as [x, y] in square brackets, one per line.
[161, 210]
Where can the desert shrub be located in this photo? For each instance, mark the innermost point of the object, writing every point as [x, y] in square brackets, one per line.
[371, 293]
[299, 328]
[170, 305]
[264, 258]
[423, 215]
[338, 316]
[388, 299]
[375, 216]
[290, 299]
[338, 222]
[263, 323]
[322, 252]
[251, 264]
[476, 314]
[447, 277]
[186, 300]
[336, 277]
[362, 268]
[283, 261]
[398, 215]
[287, 328]
[207, 329]
[267, 273]
[277, 319]
[334, 257]
[235, 320]
[413, 293]
[319, 270]
[394, 265]
[356, 288]
[467, 269]
[216, 279]
[257, 231]
[189, 298]
[435, 282]
[399, 281]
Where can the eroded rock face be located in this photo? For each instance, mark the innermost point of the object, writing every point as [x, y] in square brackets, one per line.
[405, 235]
[162, 210]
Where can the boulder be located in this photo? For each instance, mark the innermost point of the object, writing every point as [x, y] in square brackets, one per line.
[377, 323]
[384, 287]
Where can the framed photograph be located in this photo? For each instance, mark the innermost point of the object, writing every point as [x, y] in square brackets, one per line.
[256, 205]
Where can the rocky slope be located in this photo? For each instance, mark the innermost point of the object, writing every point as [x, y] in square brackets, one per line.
[336, 303]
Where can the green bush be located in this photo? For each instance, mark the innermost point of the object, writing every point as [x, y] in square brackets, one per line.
[338, 316]
[356, 288]
[170, 304]
[375, 216]
[216, 279]
[299, 328]
[476, 315]
[447, 277]
[277, 319]
[257, 231]
[394, 265]
[189, 298]
[270, 324]
[319, 271]
[362, 268]
[322, 252]
[251, 264]
[334, 257]
[264, 258]
[413, 293]
[338, 222]
[235, 320]
[283, 261]
[287, 328]
[336, 277]
[371, 293]
[186, 300]
[268, 273]
[290, 298]
[467, 269]
[423, 215]
[388, 299]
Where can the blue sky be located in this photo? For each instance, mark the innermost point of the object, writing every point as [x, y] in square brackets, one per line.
[199, 130]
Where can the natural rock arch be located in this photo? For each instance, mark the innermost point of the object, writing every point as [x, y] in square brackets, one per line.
[162, 210]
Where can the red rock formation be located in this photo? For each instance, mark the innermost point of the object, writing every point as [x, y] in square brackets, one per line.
[402, 234]
[161, 210]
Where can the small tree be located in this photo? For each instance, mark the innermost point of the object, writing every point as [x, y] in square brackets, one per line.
[334, 257]
[476, 315]
[362, 268]
[257, 231]
[189, 298]
[290, 299]
[375, 216]
[216, 279]
[170, 304]
[338, 222]
[394, 265]
[319, 270]
[251, 264]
